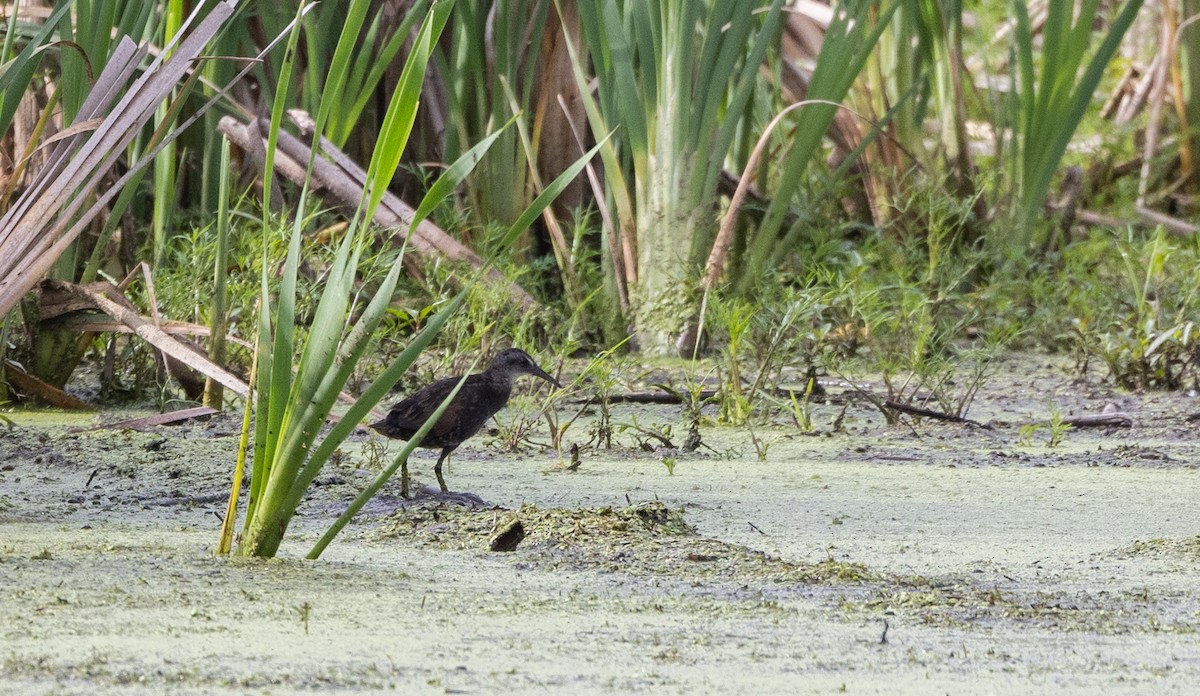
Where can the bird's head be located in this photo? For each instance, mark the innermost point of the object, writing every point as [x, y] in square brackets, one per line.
[514, 361]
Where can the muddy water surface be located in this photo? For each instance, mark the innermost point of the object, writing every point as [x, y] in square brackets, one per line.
[931, 559]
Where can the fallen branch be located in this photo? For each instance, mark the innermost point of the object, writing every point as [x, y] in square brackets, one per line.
[1115, 419]
[662, 439]
[1094, 219]
[927, 413]
[123, 312]
[170, 501]
[657, 397]
[30, 385]
[83, 323]
[159, 419]
[1171, 224]
[339, 181]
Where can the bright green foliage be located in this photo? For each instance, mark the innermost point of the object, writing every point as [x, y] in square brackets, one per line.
[361, 64]
[291, 409]
[849, 40]
[19, 68]
[1153, 342]
[1189, 59]
[1054, 97]
[678, 78]
[492, 86]
[293, 406]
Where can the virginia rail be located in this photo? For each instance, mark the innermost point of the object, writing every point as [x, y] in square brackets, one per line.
[481, 396]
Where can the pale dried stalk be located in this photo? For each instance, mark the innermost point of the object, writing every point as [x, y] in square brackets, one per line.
[339, 180]
[620, 261]
[148, 331]
[34, 233]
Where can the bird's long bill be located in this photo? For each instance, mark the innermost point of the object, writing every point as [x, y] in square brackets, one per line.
[546, 376]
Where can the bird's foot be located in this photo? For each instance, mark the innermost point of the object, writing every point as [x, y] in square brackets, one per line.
[434, 495]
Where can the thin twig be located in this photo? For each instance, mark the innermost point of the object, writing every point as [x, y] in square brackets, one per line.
[928, 413]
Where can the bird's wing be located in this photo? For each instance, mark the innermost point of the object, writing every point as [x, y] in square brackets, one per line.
[412, 412]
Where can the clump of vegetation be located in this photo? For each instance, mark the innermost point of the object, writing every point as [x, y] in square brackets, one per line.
[1152, 343]
[640, 539]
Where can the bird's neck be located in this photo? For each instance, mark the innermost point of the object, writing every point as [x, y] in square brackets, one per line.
[499, 381]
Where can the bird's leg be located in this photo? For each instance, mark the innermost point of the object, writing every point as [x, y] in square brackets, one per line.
[404, 478]
[437, 468]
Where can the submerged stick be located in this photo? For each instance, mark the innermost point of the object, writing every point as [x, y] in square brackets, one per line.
[1115, 419]
[29, 384]
[928, 413]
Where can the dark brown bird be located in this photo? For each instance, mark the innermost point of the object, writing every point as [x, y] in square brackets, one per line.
[481, 396]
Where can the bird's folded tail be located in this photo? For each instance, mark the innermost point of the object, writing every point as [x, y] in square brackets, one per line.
[389, 428]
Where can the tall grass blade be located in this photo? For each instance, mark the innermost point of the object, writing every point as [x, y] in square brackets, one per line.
[848, 42]
[291, 420]
[15, 78]
[1053, 101]
[219, 322]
